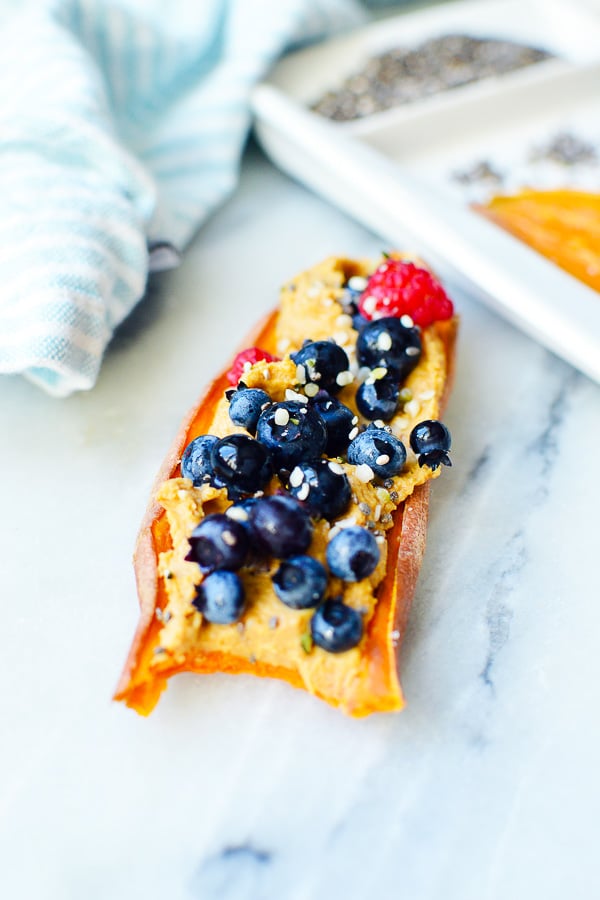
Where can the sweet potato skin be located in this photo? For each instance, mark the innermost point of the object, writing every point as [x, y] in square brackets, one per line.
[379, 690]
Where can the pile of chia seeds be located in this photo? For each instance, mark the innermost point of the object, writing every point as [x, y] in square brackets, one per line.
[401, 76]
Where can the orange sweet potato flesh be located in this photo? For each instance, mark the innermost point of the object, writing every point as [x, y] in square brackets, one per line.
[562, 225]
[379, 689]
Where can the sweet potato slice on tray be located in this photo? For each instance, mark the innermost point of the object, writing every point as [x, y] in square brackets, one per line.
[342, 643]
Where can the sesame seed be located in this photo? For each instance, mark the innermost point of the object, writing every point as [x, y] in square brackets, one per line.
[282, 416]
[369, 304]
[247, 366]
[384, 341]
[237, 514]
[355, 420]
[377, 513]
[353, 434]
[336, 468]
[311, 390]
[344, 378]
[364, 473]
[382, 460]
[293, 395]
[283, 345]
[379, 372]
[412, 351]
[297, 477]
[300, 374]
[427, 395]
[357, 283]
[379, 423]
[343, 321]
[363, 373]
[405, 394]
[395, 635]
[304, 491]
[340, 337]
[406, 321]
[382, 495]
[412, 407]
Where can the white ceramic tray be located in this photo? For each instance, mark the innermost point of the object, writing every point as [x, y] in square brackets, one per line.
[395, 171]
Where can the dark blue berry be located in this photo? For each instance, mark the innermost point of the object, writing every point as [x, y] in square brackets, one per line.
[336, 627]
[322, 361]
[379, 397]
[300, 582]
[339, 422]
[246, 405]
[387, 342]
[281, 526]
[220, 598]
[195, 462]
[322, 486]
[291, 431]
[380, 450]
[241, 464]
[431, 441]
[352, 554]
[218, 542]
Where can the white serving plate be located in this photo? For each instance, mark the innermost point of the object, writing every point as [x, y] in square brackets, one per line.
[394, 170]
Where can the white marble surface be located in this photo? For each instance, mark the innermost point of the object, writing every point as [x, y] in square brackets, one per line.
[485, 788]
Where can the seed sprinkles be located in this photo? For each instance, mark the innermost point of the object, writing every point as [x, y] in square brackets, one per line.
[401, 76]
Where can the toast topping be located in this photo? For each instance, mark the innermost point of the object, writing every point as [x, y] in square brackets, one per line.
[285, 527]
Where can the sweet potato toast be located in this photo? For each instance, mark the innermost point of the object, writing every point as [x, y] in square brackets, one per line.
[269, 638]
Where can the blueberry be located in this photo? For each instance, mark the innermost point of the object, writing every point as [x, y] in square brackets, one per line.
[352, 554]
[246, 405]
[218, 542]
[339, 422]
[379, 396]
[380, 450]
[431, 441]
[300, 582]
[241, 464]
[195, 462]
[220, 598]
[281, 526]
[291, 431]
[322, 486]
[322, 362]
[336, 627]
[387, 342]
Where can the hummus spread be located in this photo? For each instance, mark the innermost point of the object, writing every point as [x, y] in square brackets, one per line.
[270, 631]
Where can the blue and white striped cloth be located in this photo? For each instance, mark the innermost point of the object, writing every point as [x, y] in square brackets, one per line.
[121, 125]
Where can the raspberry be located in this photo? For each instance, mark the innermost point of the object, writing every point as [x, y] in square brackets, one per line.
[251, 355]
[399, 288]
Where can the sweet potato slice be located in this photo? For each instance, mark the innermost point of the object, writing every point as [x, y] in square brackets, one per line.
[375, 685]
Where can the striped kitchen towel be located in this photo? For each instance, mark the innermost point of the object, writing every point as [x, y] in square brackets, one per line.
[121, 128]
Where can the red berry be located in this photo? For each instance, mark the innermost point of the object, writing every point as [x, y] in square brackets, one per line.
[399, 288]
[251, 355]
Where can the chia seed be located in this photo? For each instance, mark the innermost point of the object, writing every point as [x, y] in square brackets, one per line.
[567, 150]
[401, 76]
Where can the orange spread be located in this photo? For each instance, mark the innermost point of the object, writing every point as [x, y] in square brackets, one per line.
[563, 225]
